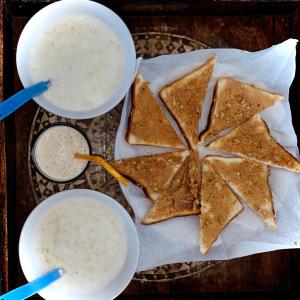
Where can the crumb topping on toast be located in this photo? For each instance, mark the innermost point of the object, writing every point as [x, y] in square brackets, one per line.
[184, 99]
[152, 172]
[179, 198]
[235, 102]
[148, 124]
[253, 140]
[219, 206]
[250, 180]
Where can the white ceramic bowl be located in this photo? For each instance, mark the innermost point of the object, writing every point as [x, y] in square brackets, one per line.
[30, 264]
[52, 13]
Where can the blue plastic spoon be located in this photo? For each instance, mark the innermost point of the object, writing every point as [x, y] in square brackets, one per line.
[10, 105]
[33, 287]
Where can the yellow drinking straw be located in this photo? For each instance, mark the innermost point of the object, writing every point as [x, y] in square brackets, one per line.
[103, 163]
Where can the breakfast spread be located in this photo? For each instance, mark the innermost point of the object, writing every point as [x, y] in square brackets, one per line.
[179, 183]
[54, 150]
[83, 59]
[235, 102]
[84, 237]
[148, 125]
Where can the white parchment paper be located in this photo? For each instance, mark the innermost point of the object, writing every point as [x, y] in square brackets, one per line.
[177, 240]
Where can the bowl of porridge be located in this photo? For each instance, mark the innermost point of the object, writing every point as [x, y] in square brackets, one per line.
[86, 52]
[87, 234]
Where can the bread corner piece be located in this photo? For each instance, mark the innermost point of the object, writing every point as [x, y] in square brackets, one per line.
[235, 102]
[252, 140]
[219, 206]
[147, 124]
[250, 181]
[152, 172]
[184, 99]
[181, 198]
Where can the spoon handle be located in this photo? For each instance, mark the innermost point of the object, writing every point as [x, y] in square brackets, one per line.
[32, 287]
[10, 105]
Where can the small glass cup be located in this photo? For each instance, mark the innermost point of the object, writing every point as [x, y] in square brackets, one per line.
[33, 153]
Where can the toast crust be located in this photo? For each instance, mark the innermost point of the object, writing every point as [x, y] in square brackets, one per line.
[252, 140]
[204, 135]
[156, 218]
[219, 206]
[250, 181]
[147, 123]
[184, 99]
[234, 102]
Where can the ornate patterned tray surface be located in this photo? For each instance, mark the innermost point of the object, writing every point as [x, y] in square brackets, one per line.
[101, 132]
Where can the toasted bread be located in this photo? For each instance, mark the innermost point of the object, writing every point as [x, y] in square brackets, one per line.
[147, 123]
[152, 172]
[252, 140]
[219, 206]
[235, 102]
[184, 98]
[250, 181]
[194, 176]
[182, 196]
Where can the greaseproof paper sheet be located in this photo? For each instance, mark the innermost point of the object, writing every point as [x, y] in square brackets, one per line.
[177, 240]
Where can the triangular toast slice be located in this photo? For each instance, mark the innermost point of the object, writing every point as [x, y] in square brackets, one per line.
[152, 172]
[182, 197]
[250, 181]
[184, 98]
[235, 102]
[252, 140]
[148, 124]
[219, 206]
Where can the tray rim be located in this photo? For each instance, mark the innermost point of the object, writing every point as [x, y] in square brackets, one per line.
[19, 6]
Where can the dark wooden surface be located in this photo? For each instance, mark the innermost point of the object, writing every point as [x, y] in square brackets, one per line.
[3, 175]
[249, 25]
